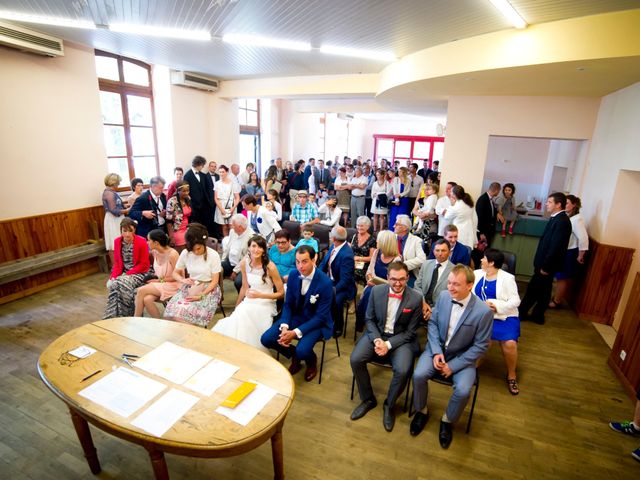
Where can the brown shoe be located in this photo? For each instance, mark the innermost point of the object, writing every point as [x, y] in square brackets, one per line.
[295, 366]
[311, 371]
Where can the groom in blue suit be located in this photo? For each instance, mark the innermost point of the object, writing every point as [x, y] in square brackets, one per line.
[458, 336]
[306, 315]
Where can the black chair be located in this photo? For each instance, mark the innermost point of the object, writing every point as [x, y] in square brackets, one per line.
[509, 264]
[321, 234]
[294, 230]
[387, 364]
[449, 382]
[324, 344]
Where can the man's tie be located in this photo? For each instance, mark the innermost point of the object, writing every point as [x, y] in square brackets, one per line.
[456, 302]
[428, 297]
[395, 295]
[399, 246]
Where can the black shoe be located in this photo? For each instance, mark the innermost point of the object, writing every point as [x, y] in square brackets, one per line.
[388, 417]
[446, 434]
[538, 320]
[362, 409]
[418, 423]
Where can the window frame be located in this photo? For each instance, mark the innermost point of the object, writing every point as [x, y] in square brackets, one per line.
[249, 129]
[407, 138]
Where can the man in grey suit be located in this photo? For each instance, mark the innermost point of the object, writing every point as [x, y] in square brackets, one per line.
[459, 334]
[393, 315]
[432, 279]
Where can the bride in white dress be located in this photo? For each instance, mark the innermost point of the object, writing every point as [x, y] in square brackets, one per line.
[256, 305]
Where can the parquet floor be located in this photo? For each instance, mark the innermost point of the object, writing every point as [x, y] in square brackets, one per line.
[555, 429]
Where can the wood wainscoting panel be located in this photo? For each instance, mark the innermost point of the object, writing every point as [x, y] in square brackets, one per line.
[627, 343]
[24, 237]
[605, 278]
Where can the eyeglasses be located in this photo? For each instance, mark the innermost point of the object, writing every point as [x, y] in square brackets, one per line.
[398, 280]
[282, 242]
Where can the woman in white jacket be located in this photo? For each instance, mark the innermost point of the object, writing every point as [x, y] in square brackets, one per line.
[499, 291]
[463, 215]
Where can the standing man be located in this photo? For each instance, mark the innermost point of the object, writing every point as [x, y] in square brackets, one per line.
[459, 334]
[370, 176]
[201, 192]
[486, 211]
[306, 315]
[425, 170]
[304, 211]
[416, 185]
[213, 172]
[323, 177]
[150, 208]
[393, 315]
[548, 260]
[357, 184]
[339, 265]
[309, 170]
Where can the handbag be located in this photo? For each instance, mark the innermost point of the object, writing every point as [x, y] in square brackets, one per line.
[382, 201]
[277, 186]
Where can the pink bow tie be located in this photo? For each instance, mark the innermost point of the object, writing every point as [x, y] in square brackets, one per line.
[395, 295]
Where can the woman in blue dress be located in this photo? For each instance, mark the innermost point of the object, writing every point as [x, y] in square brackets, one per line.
[399, 204]
[385, 253]
[498, 289]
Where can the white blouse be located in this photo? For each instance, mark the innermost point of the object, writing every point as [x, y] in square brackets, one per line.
[200, 269]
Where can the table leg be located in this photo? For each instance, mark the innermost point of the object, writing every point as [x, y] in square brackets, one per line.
[84, 435]
[160, 471]
[277, 453]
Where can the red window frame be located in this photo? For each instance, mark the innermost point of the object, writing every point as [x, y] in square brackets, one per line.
[406, 138]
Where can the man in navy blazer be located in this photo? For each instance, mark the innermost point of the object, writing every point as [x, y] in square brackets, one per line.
[339, 265]
[459, 333]
[460, 253]
[306, 315]
[150, 208]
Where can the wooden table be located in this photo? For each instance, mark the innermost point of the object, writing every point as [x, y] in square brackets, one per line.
[201, 432]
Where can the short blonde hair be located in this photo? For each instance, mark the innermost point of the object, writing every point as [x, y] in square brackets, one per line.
[112, 180]
[387, 243]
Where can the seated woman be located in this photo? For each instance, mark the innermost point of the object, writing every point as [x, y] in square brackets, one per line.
[499, 291]
[256, 304]
[197, 300]
[131, 262]
[386, 253]
[283, 254]
[161, 286]
[363, 245]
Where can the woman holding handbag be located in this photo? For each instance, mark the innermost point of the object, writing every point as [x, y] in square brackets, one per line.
[379, 200]
[227, 197]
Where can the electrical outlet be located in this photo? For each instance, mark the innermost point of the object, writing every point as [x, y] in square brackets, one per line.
[623, 355]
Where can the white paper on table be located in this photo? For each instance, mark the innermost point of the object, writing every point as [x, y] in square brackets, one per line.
[82, 351]
[211, 377]
[172, 362]
[164, 412]
[123, 391]
[250, 406]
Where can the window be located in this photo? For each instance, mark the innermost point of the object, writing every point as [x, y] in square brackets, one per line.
[126, 100]
[249, 120]
[408, 149]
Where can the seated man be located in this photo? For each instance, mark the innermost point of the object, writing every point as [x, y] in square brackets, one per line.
[339, 265]
[306, 315]
[234, 249]
[304, 212]
[459, 335]
[283, 254]
[432, 279]
[460, 253]
[410, 247]
[393, 315]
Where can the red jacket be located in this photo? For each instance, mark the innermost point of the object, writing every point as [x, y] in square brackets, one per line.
[140, 257]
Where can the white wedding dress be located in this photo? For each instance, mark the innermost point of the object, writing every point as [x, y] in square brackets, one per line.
[253, 316]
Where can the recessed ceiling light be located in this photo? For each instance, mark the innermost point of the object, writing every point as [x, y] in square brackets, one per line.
[42, 20]
[258, 41]
[160, 31]
[358, 53]
[510, 13]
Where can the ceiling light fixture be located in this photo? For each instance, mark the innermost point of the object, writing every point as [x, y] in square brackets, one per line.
[356, 52]
[257, 41]
[55, 21]
[160, 31]
[510, 13]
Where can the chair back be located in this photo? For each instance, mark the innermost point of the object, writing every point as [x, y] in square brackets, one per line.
[509, 264]
[294, 230]
[321, 233]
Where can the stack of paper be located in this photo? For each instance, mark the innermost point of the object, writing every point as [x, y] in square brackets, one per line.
[211, 377]
[172, 362]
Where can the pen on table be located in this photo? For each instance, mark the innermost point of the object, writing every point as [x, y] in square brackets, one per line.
[129, 355]
[89, 376]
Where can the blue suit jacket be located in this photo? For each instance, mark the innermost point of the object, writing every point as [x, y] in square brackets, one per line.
[142, 203]
[301, 313]
[342, 269]
[471, 337]
[460, 254]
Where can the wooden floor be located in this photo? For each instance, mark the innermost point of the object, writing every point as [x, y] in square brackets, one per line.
[556, 428]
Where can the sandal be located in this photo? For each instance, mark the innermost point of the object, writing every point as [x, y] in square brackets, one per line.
[554, 304]
[512, 386]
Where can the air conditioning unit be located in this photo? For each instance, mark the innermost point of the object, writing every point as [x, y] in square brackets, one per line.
[30, 41]
[345, 116]
[195, 80]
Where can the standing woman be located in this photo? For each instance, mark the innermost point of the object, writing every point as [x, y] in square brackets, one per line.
[343, 194]
[131, 262]
[161, 286]
[363, 245]
[271, 179]
[254, 186]
[578, 246]
[114, 211]
[178, 214]
[274, 200]
[256, 304]
[498, 289]
[400, 204]
[463, 215]
[227, 197]
[379, 200]
[136, 188]
[197, 300]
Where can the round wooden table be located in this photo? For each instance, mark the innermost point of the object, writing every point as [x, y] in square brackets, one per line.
[201, 432]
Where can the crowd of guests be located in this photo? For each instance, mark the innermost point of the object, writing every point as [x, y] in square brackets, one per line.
[412, 255]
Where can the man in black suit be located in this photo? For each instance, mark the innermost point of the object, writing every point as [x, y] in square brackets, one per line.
[548, 260]
[323, 176]
[150, 208]
[425, 170]
[201, 192]
[486, 211]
